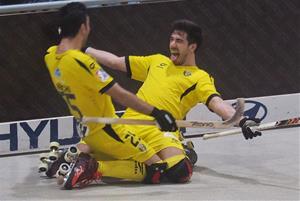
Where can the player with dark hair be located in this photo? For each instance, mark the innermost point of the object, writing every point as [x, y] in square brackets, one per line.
[174, 84]
[87, 89]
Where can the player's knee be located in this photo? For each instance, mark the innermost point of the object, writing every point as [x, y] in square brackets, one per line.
[190, 153]
[82, 147]
[155, 173]
[181, 172]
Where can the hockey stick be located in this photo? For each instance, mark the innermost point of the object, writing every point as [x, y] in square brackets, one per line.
[180, 123]
[287, 123]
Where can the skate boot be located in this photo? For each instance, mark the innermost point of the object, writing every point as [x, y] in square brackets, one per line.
[190, 152]
[65, 156]
[80, 173]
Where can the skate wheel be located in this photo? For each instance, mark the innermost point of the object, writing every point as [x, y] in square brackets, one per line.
[43, 167]
[54, 146]
[53, 156]
[71, 154]
[43, 156]
[60, 152]
[73, 150]
[64, 168]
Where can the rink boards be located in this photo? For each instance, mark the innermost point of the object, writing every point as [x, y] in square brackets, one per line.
[35, 135]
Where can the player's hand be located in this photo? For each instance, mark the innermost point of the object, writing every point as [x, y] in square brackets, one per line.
[164, 119]
[245, 124]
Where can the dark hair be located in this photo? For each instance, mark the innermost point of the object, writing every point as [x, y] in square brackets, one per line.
[72, 16]
[193, 30]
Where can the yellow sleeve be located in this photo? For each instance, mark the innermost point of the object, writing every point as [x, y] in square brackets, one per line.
[206, 88]
[90, 73]
[138, 67]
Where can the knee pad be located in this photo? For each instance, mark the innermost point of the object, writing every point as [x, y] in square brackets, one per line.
[190, 152]
[155, 173]
[181, 172]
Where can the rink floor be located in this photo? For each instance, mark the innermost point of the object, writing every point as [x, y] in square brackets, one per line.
[228, 168]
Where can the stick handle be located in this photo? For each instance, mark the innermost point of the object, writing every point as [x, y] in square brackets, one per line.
[287, 123]
[106, 120]
[222, 134]
[180, 123]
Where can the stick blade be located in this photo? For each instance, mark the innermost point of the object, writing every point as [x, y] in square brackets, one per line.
[239, 112]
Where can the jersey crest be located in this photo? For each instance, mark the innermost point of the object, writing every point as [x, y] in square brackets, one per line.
[57, 72]
[187, 73]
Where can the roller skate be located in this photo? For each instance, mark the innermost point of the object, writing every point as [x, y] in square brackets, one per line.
[79, 173]
[44, 162]
[47, 159]
[66, 156]
[50, 162]
[54, 151]
[190, 152]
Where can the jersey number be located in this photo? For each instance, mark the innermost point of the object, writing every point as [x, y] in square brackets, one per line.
[132, 139]
[68, 97]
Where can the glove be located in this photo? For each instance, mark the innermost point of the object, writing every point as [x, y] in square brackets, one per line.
[164, 119]
[245, 124]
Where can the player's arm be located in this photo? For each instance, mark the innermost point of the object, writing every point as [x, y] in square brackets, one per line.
[108, 59]
[224, 110]
[136, 67]
[128, 99]
[208, 94]
[164, 119]
[221, 108]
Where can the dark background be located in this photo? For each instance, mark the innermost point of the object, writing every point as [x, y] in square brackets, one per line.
[251, 48]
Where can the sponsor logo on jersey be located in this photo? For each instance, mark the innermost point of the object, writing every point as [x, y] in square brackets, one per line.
[170, 135]
[57, 72]
[102, 75]
[92, 66]
[187, 73]
[161, 65]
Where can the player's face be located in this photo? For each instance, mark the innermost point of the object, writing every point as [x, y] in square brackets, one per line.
[179, 47]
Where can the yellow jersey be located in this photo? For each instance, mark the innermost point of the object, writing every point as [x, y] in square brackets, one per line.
[81, 81]
[173, 88]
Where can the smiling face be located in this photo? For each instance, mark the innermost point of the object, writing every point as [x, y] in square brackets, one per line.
[180, 49]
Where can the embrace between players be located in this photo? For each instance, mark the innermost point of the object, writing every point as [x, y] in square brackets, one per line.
[171, 87]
